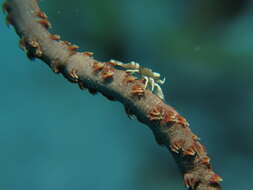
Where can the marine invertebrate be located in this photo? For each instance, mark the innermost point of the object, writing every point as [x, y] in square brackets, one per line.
[169, 127]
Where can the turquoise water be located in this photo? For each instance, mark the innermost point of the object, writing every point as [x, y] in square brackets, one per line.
[54, 136]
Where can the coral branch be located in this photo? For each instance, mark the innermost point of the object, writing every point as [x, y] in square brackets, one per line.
[170, 129]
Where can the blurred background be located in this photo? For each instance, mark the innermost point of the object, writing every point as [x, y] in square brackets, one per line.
[54, 136]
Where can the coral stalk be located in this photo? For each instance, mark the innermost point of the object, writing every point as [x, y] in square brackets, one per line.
[169, 127]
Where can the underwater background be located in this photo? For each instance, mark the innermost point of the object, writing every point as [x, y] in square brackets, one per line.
[54, 136]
